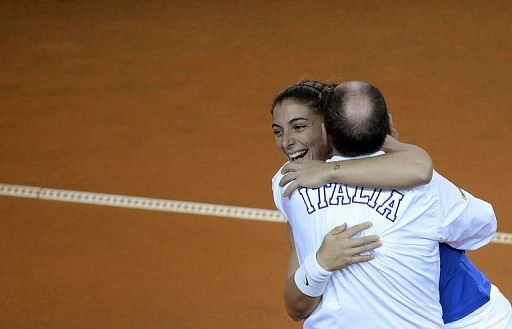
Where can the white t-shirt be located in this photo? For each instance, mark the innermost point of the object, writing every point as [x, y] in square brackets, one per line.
[399, 288]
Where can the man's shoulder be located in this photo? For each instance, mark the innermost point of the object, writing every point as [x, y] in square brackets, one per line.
[438, 179]
[277, 191]
[278, 175]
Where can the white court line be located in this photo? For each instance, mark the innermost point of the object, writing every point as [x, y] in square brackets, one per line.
[125, 201]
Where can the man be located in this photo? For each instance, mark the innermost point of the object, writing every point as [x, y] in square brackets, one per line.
[300, 134]
[399, 288]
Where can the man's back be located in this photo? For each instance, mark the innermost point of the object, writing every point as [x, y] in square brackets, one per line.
[399, 288]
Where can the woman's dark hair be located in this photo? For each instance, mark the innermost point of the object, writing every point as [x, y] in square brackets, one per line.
[310, 92]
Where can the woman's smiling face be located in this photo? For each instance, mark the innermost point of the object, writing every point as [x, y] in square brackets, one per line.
[299, 131]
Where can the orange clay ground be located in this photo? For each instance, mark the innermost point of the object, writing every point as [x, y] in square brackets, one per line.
[172, 101]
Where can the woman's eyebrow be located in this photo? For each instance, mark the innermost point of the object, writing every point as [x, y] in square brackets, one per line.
[296, 119]
[275, 125]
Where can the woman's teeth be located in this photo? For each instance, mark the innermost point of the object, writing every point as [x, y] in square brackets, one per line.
[298, 155]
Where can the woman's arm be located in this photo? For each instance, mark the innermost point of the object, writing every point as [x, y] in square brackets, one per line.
[298, 305]
[403, 166]
[338, 250]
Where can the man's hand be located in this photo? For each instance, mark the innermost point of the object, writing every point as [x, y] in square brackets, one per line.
[308, 173]
[339, 250]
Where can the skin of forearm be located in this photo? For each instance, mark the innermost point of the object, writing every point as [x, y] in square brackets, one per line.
[403, 166]
[298, 305]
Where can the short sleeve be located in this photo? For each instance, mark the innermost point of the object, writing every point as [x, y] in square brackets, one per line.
[466, 222]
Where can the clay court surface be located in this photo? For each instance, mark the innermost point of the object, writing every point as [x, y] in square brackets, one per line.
[171, 100]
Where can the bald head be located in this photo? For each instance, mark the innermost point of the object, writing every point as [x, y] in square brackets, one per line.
[356, 118]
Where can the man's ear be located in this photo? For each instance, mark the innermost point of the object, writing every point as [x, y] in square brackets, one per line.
[325, 138]
[392, 130]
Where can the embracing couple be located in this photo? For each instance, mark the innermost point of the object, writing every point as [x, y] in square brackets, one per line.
[377, 237]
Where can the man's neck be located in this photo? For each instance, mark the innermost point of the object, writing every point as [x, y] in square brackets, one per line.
[337, 153]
